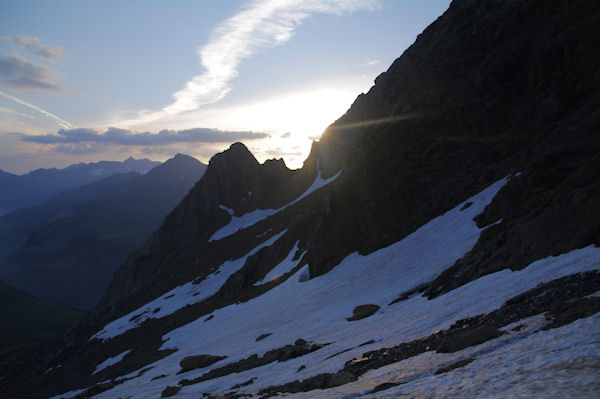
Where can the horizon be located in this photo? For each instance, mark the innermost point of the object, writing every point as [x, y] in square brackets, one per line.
[273, 75]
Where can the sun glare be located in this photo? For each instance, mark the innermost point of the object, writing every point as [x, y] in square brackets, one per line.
[292, 120]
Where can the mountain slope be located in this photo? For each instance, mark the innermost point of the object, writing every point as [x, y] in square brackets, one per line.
[15, 225]
[41, 184]
[26, 319]
[73, 243]
[441, 235]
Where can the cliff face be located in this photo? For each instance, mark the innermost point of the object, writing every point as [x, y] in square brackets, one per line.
[489, 90]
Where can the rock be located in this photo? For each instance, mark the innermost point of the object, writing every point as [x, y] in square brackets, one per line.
[341, 378]
[455, 365]
[469, 337]
[198, 361]
[362, 311]
[262, 336]
[567, 311]
[169, 391]
[300, 342]
[384, 386]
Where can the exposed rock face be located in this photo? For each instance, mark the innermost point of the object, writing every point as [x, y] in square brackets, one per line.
[198, 361]
[180, 250]
[430, 133]
[464, 339]
[362, 311]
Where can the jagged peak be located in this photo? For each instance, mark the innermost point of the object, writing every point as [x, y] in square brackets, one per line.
[236, 155]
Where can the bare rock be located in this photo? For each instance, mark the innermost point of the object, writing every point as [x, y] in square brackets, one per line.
[362, 311]
[198, 361]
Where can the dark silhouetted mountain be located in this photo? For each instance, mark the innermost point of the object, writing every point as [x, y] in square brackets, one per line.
[41, 184]
[445, 227]
[27, 319]
[4, 176]
[16, 225]
[67, 249]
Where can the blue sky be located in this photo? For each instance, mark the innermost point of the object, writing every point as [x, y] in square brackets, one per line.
[197, 74]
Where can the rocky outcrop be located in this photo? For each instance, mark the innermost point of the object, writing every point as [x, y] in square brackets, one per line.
[198, 362]
[363, 311]
[462, 334]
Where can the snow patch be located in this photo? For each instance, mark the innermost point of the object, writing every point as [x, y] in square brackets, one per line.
[181, 296]
[228, 210]
[251, 218]
[285, 266]
[110, 361]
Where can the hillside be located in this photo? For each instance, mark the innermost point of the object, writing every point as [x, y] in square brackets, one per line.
[28, 320]
[67, 249]
[441, 240]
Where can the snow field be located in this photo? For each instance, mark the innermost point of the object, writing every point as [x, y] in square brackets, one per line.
[110, 361]
[251, 218]
[316, 310]
[180, 297]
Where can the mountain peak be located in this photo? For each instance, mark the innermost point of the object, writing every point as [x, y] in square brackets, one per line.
[237, 162]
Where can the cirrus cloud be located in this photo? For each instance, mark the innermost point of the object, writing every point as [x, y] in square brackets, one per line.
[34, 45]
[260, 25]
[19, 73]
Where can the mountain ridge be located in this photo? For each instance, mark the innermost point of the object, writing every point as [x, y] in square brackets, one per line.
[39, 185]
[108, 219]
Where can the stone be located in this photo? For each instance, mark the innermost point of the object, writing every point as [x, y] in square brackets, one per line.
[170, 391]
[198, 361]
[362, 311]
[468, 337]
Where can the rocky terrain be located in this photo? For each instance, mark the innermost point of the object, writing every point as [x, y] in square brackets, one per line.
[442, 234]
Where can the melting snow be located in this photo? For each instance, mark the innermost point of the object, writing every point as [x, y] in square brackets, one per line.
[181, 296]
[228, 210]
[282, 268]
[316, 310]
[110, 361]
[248, 219]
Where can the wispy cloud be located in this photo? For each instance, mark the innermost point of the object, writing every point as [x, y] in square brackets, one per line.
[63, 123]
[80, 148]
[129, 138]
[260, 25]
[34, 45]
[19, 73]
[10, 111]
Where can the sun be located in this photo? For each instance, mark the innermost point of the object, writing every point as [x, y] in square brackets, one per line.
[293, 121]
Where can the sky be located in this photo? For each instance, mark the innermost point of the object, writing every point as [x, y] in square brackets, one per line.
[83, 81]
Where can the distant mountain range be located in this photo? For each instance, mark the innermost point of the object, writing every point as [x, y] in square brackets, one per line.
[67, 248]
[19, 191]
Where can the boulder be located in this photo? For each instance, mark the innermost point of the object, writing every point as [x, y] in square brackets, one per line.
[198, 361]
[468, 337]
[362, 311]
[170, 391]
